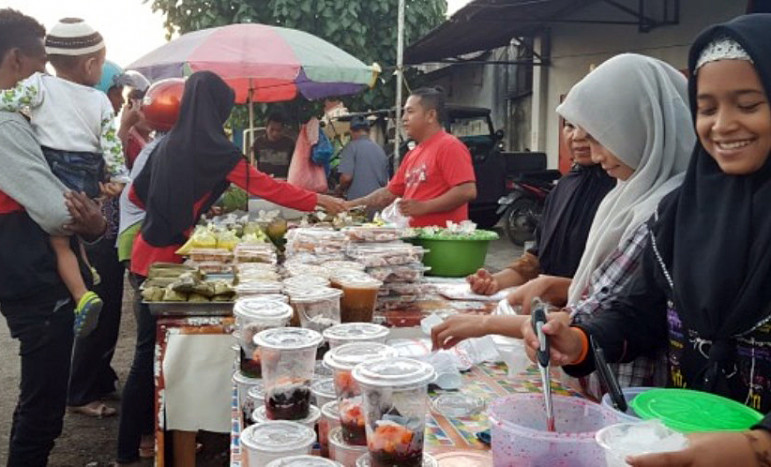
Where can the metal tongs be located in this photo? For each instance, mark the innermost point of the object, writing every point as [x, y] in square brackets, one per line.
[538, 318]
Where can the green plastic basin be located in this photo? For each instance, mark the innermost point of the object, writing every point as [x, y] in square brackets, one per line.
[453, 258]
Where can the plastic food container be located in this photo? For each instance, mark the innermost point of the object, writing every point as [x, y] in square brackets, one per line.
[519, 436]
[394, 392]
[342, 360]
[266, 442]
[305, 282]
[398, 289]
[359, 297]
[343, 452]
[355, 332]
[689, 411]
[243, 384]
[406, 273]
[273, 297]
[368, 461]
[372, 234]
[255, 253]
[302, 269]
[385, 254]
[334, 266]
[314, 416]
[257, 275]
[323, 391]
[304, 461]
[257, 289]
[203, 255]
[629, 394]
[252, 317]
[255, 399]
[315, 240]
[317, 308]
[288, 361]
[464, 459]
[632, 439]
[330, 419]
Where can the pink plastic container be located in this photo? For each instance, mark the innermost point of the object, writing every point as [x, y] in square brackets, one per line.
[519, 435]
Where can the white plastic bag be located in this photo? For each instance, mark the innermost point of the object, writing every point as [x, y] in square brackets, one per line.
[392, 215]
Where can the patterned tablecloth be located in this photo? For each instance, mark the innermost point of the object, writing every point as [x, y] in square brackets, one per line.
[488, 381]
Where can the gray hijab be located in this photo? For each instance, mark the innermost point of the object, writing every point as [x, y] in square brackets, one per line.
[637, 108]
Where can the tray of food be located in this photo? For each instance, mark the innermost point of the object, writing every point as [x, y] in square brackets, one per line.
[190, 308]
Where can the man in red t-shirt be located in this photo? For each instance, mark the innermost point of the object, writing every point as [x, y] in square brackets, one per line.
[436, 179]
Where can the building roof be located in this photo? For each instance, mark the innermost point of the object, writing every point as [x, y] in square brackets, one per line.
[488, 24]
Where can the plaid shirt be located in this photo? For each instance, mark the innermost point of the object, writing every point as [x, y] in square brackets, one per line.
[606, 282]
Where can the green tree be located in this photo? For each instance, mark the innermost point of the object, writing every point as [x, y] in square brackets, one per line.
[367, 30]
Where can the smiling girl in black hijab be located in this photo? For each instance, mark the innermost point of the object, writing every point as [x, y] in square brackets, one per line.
[704, 291]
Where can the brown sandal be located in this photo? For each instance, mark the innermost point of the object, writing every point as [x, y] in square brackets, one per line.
[94, 409]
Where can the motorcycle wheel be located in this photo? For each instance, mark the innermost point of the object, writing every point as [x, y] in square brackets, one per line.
[521, 219]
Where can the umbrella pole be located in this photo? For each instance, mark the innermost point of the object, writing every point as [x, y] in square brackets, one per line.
[399, 84]
[251, 126]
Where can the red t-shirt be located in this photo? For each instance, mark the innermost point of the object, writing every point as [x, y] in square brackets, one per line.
[143, 255]
[429, 171]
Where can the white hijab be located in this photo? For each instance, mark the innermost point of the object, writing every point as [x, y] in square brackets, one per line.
[637, 108]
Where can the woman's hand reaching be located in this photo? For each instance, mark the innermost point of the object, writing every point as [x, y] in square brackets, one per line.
[332, 205]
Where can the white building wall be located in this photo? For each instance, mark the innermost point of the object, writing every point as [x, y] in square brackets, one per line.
[576, 47]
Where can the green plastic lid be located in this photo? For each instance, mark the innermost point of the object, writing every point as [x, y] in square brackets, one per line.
[689, 411]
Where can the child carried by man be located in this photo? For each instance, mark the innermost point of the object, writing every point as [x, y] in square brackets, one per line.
[75, 125]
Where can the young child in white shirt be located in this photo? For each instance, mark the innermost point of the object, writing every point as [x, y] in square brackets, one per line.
[75, 125]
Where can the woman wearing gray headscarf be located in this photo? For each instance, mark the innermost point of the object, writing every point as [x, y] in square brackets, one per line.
[642, 135]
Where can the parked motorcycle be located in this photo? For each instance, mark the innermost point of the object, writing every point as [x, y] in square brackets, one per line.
[522, 207]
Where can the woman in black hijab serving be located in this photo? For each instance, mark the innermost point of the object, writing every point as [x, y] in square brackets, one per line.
[560, 238]
[186, 174]
[704, 291]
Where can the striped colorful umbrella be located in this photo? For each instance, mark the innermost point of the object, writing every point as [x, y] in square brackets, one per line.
[262, 63]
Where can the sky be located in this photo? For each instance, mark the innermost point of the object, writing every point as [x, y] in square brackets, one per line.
[129, 27]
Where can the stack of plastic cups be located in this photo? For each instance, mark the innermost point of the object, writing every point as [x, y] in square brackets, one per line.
[349, 442]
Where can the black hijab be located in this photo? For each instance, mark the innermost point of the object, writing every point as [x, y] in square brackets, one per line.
[714, 234]
[192, 162]
[567, 218]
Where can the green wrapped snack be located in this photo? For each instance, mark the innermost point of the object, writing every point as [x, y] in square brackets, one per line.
[186, 283]
[205, 289]
[197, 298]
[223, 288]
[171, 295]
[224, 297]
[152, 294]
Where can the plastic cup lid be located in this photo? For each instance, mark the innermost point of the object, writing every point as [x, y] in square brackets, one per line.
[273, 310]
[304, 461]
[392, 372]
[640, 438]
[364, 461]
[336, 439]
[324, 387]
[257, 392]
[347, 356]
[270, 297]
[356, 332]
[689, 411]
[288, 338]
[331, 410]
[456, 405]
[240, 378]
[264, 287]
[358, 281]
[305, 281]
[463, 459]
[314, 295]
[278, 436]
[259, 415]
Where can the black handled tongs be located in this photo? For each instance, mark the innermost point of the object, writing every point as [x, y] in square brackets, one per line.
[607, 377]
[538, 318]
